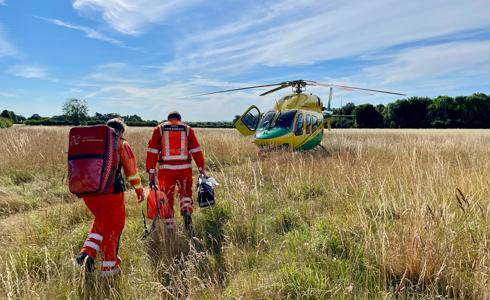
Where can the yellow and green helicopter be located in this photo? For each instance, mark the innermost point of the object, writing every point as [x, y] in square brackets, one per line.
[296, 121]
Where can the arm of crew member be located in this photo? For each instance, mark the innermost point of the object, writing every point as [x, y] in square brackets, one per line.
[196, 152]
[153, 150]
[130, 168]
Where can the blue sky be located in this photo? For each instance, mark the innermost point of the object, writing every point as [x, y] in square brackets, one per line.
[141, 56]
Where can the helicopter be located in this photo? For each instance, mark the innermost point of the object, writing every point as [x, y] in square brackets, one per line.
[297, 120]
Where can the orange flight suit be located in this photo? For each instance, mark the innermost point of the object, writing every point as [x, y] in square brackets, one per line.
[109, 213]
[173, 144]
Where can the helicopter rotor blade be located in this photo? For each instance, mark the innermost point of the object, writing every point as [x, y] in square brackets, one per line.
[275, 89]
[352, 88]
[238, 89]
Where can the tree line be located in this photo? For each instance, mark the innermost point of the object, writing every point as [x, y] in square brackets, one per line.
[75, 112]
[416, 112]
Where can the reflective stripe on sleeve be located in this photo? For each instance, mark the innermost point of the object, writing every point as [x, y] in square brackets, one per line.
[176, 167]
[153, 150]
[198, 149]
[138, 186]
[95, 236]
[91, 245]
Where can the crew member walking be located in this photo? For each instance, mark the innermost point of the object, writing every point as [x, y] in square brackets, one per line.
[173, 144]
[109, 211]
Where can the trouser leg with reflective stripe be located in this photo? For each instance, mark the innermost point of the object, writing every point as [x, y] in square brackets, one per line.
[182, 179]
[114, 219]
[167, 184]
[109, 222]
[184, 182]
[94, 238]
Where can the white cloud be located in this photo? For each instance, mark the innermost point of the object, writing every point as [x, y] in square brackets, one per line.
[156, 102]
[116, 89]
[455, 59]
[402, 46]
[74, 91]
[119, 73]
[28, 71]
[89, 32]
[6, 48]
[131, 16]
[325, 31]
[6, 94]
[452, 68]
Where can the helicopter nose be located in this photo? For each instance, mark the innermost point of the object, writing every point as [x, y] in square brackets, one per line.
[271, 133]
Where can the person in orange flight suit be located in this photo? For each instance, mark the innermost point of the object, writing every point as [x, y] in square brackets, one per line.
[173, 144]
[109, 212]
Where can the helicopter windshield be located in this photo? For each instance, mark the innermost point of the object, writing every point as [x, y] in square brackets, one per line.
[285, 119]
[266, 120]
[280, 119]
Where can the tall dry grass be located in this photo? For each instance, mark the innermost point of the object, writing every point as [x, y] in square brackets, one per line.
[379, 214]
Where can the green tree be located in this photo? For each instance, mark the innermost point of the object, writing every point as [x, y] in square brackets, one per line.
[7, 114]
[5, 122]
[443, 113]
[35, 117]
[476, 112]
[460, 112]
[344, 122]
[76, 111]
[408, 113]
[367, 116]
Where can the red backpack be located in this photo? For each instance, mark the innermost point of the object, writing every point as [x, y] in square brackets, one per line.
[93, 160]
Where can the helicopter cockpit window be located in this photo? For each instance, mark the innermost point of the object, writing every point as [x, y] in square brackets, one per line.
[285, 119]
[266, 120]
[308, 124]
[251, 119]
[299, 125]
[314, 122]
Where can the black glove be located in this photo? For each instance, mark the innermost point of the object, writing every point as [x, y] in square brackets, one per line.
[151, 180]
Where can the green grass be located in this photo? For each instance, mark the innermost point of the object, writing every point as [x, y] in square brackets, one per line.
[381, 214]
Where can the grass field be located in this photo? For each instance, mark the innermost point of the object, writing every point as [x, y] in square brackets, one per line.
[379, 214]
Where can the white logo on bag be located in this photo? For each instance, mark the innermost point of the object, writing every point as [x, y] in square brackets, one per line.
[75, 140]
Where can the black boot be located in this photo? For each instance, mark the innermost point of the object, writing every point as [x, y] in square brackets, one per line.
[87, 260]
[188, 223]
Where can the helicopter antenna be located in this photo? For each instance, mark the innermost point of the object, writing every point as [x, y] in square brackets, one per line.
[342, 113]
[330, 99]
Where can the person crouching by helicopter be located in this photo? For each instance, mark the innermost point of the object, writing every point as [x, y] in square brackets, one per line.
[109, 212]
[172, 144]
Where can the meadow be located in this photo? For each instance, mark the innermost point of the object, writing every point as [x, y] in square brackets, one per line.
[377, 214]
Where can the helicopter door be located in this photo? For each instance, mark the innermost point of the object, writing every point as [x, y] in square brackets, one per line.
[248, 122]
